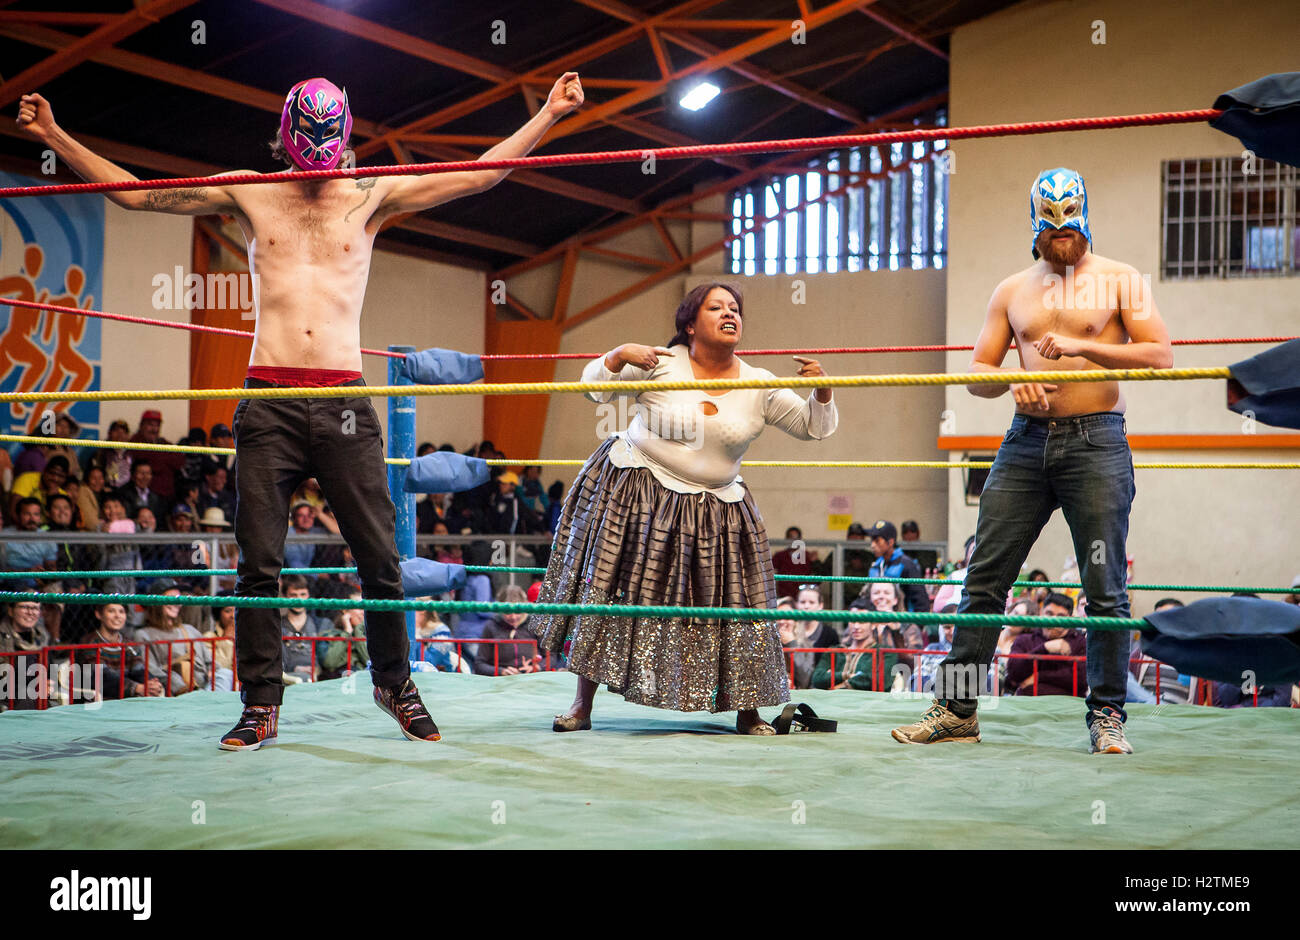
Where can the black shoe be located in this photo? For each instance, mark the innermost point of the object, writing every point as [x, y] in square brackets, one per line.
[257, 726]
[404, 704]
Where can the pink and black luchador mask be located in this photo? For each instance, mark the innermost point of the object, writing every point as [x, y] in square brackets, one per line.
[315, 124]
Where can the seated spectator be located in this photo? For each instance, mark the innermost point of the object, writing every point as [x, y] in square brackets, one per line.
[821, 634]
[71, 556]
[116, 463]
[928, 667]
[165, 466]
[508, 659]
[213, 491]
[139, 491]
[214, 522]
[1055, 677]
[504, 513]
[1020, 607]
[445, 657]
[92, 490]
[187, 498]
[892, 563]
[853, 668]
[40, 486]
[1174, 689]
[910, 531]
[179, 666]
[887, 597]
[430, 511]
[223, 651]
[794, 635]
[1237, 695]
[123, 671]
[31, 458]
[300, 554]
[857, 563]
[1039, 595]
[796, 561]
[337, 658]
[219, 435]
[19, 554]
[22, 629]
[555, 495]
[119, 556]
[66, 426]
[297, 622]
[533, 497]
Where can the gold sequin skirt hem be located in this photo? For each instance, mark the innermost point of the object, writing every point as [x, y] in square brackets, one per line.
[623, 538]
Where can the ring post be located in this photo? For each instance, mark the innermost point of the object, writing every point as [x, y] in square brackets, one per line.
[401, 443]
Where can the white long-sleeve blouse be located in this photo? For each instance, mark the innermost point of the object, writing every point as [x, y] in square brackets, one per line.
[689, 451]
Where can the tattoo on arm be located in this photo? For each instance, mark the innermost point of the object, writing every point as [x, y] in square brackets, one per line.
[367, 184]
[170, 198]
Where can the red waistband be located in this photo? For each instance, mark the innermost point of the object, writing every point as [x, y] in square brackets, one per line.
[302, 378]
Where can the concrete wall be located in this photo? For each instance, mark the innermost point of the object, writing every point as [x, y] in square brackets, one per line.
[868, 308]
[1038, 61]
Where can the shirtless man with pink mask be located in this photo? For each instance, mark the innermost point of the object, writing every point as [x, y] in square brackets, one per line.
[309, 245]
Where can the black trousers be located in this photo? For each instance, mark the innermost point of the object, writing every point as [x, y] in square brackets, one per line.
[279, 443]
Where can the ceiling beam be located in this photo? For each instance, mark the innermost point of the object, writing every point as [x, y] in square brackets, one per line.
[723, 59]
[503, 90]
[112, 32]
[273, 103]
[749, 70]
[906, 30]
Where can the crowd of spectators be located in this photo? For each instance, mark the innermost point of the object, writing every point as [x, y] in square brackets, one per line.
[176, 648]
[880, 655]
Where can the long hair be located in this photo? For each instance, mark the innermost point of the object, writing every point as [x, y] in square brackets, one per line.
[690, 306]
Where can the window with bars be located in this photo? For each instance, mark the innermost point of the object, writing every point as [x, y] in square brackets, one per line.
[1221, 221]
[863, 209]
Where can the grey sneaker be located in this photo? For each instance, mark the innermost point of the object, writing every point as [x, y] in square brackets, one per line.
[1107, 732]
[937, 726]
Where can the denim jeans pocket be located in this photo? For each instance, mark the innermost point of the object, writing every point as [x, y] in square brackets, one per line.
[1105, 435]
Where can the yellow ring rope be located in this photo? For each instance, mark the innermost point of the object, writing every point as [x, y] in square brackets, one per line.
[543, 388]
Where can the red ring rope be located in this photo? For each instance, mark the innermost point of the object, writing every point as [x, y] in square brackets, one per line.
[636, 156]
[515, 357]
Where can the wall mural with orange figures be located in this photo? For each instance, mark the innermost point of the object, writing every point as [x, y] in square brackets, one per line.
[51, 251]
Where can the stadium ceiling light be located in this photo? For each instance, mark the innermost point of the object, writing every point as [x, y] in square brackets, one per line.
[699, 96]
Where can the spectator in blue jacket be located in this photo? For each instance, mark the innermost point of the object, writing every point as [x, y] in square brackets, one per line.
[892, 563]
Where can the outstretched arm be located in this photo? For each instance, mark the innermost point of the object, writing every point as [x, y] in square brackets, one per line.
[415, 193]
[36, 119]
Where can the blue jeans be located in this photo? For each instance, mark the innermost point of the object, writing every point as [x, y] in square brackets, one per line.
[1083, 465]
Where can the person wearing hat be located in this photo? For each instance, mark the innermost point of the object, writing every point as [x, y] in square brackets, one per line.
[166, 466]
[213, 522]
[504, 513]
[892, 563]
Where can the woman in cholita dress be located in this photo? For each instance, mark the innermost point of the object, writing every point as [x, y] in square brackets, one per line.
[659, 515]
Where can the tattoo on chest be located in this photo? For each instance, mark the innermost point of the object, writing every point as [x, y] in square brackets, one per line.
[367, 184]
[169, 198]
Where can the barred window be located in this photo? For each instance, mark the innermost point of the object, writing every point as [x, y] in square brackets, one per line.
[1229, 217]
[849, 210]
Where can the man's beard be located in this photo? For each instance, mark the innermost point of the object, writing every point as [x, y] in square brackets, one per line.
[1062, 252]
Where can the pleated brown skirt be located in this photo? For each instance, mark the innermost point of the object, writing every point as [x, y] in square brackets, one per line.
[623, 538]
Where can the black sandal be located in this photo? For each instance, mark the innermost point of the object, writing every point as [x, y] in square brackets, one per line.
[801, 717]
